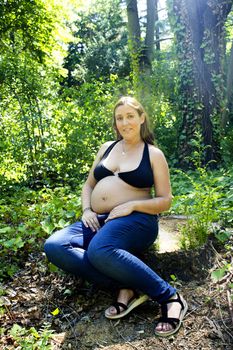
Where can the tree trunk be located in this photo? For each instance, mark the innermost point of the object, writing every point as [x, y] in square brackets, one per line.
[134, 34]
[142, 53]
[148, 52]
[199, 29]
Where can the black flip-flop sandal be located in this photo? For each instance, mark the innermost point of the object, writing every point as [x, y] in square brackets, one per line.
[174, 322]
[133, 302]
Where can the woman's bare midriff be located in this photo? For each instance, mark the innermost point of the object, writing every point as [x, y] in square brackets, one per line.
[112, 191]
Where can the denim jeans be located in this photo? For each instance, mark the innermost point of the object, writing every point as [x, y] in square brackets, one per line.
[108, 257]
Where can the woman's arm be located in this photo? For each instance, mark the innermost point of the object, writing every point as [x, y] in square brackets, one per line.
[163, 193]
[89, 217]
[91, 182]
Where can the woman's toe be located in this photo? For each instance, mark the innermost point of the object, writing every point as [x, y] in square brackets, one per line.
[163, 327]
[167, 327]
[159, 327]
[111, 310]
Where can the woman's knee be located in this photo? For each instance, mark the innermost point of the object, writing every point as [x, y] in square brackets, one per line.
[98, 253]
[52, 245]
[49, 246]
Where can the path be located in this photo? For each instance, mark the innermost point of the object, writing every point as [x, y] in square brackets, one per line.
[169, 235]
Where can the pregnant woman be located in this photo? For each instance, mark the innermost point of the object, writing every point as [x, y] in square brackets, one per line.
[120, 221]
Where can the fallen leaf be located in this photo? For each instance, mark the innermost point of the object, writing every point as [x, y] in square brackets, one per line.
[55, 312]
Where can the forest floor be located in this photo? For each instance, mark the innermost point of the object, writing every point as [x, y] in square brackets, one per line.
[79, 323]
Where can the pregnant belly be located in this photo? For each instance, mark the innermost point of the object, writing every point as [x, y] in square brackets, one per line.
[112, 191]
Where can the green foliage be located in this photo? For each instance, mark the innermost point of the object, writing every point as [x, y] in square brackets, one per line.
[223, 236]
[100, 45]
[30, 68]
[218, 274]
[47, 126]
[28, 217]
[31, 339]
[204, 198]
[162, 107]
[58, 144]
[200, 211]
[227, 147]
[200, 84]
[83, 123]
[224, 271]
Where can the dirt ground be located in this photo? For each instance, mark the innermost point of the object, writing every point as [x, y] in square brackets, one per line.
[35, 292]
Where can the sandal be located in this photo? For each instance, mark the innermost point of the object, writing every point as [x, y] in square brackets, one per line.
[135, 301]
[174, 322]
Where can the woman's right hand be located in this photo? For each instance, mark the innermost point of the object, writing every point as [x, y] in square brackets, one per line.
[89, 219]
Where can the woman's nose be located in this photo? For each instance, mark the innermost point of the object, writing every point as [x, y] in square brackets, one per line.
[125, 121]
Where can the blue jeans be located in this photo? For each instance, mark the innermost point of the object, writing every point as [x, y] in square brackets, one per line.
[108, 257]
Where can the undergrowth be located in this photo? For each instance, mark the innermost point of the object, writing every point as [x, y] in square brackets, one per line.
[31, 339]
[28, 217]
[206, 200]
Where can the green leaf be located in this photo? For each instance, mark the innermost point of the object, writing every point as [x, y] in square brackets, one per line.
[14, 243]
[15, 330]
[70, 214]
[52, 268]
[48, 227]
[68, 292]
[173, 277]
[12, 269]
[22, 228]
[34, 332]
[62, 223]
[5, 229]
[217, 275]
[223, 236]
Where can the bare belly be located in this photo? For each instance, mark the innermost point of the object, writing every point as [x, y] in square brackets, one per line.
[112, 191]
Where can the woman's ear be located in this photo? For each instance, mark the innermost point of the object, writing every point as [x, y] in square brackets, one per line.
[143, 117]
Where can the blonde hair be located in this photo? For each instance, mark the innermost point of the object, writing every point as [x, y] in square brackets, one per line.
[145, 132]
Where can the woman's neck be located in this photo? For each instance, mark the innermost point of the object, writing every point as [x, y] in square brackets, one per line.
[130, 145]
[132, 142]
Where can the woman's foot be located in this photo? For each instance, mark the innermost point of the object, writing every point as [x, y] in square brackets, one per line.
[127, 300]
[123, 297]
[173, 312]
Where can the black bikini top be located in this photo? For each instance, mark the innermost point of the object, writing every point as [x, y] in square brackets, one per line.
[141, 177]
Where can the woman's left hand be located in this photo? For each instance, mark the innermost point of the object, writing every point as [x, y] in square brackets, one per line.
[121, 210]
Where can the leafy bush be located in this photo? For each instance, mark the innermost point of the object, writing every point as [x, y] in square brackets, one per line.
[204, 197]
[31, 338]
[227, 147]
[28, 217]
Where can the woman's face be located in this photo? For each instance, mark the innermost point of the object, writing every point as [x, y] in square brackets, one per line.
[128, 121]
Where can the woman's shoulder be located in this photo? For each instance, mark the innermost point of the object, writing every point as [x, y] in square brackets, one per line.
[156, 154]
[108, 143]
[154, 150]
[104, 147]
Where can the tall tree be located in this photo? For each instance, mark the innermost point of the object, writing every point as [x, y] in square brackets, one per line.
[31, 52]
[142, 50]
[100, 45]
[199, 30]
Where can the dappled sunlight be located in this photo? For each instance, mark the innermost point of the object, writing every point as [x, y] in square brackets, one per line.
[169, 234]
